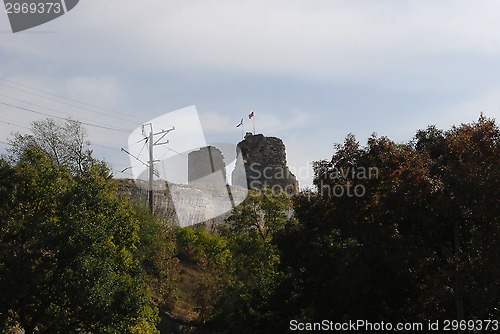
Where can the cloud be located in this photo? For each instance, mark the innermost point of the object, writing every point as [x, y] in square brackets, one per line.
[310, 69]
[324, 38]
[332, 38]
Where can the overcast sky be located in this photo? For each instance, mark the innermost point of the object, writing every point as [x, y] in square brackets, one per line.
[313, 71]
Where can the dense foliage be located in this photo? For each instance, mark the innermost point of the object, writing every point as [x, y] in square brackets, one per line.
[69, 245]
[420, 243]
[67, 251]
[392, 232]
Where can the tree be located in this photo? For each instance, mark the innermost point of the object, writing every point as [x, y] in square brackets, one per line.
[420, 240]
[248, 305]
[466, 159]
[208, 253]
[66, 251]
[348, 257]
[65, 143]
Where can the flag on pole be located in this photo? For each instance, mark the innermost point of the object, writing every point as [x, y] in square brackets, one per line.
[241, 123]
[251, 115]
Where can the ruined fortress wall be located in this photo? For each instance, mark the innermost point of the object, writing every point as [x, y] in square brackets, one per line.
[198, 202]
[205, 162]
[264, 164]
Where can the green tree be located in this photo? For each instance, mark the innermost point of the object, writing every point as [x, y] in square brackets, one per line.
[156, 253]
[65, 143]
[348, 256]
[418, 244]
[252, 266]
[466, 159]
[208, 253]
[66, 251]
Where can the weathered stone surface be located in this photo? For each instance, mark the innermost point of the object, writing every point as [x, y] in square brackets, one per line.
[205, 162]
[264, 164]
[194, 203]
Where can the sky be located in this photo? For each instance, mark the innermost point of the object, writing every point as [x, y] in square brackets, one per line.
[312, 71]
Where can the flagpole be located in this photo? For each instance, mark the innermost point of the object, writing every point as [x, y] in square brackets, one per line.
[242, 127]
[252, 117]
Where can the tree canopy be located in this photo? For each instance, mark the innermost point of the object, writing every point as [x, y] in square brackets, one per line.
[419, 243]
[66, 259]
[394, 232]
[65, 143]
[68, 247]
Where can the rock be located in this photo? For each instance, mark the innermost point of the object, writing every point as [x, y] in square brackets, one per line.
[206, 197]
[264, 164]
[205, 162]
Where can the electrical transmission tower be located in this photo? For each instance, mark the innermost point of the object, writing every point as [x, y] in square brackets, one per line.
[152, 142]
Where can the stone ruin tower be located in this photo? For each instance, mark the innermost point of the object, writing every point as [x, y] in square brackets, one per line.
[203, 163]
[264, 164]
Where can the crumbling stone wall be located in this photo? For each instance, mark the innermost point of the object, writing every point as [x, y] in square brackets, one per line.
[264, 164]
[205, 162]
[198, 202]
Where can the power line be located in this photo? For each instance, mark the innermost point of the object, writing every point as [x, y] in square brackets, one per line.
[69, 104]
[63, 97]
[105, 147]
[48, 115]
[196, 142]
[80, 102]
[20, 126]
[119, 164]
[72, 100]
[186, 138]
[168, 148]
[142, 149]
[37, 105]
